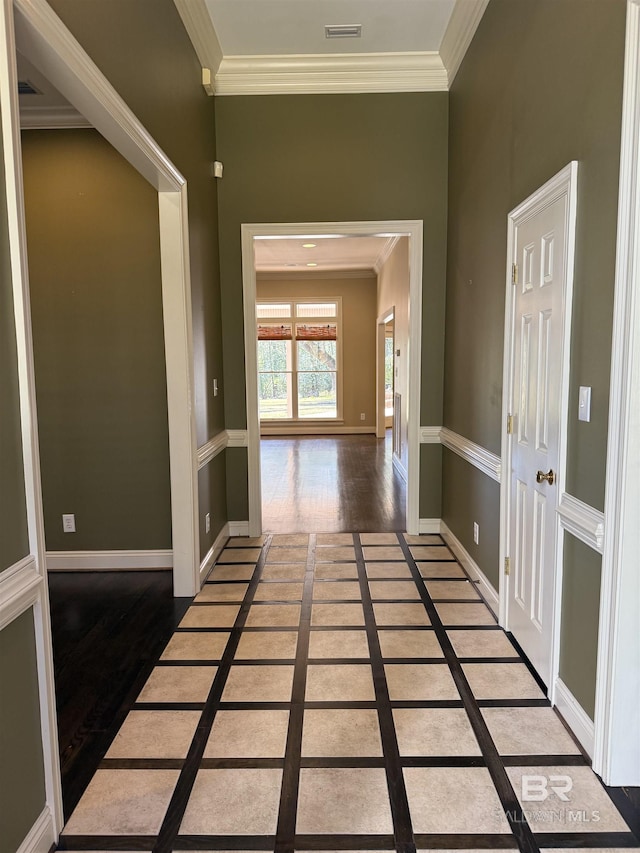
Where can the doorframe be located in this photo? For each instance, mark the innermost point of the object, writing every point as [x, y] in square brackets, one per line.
[381, 419]
[616, 755]
[55, 52]
[564, 183]
[413, 229]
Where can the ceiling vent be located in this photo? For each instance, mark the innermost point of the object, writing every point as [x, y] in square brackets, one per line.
[343, 31]
[27, 88]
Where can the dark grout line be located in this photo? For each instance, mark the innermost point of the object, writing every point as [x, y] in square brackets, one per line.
[288, 809]
[400, 814]
[182, 792]
[512, 808]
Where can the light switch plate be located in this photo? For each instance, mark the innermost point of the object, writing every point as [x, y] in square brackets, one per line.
[584, 403]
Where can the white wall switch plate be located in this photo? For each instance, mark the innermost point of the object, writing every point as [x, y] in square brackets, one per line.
[207, 522]
[68, 522]
[584, 403]
[476, 532]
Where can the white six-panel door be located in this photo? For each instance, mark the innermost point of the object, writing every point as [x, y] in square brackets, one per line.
[540, 255]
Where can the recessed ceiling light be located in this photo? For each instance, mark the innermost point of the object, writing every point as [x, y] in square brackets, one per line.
[312, 265]
[309, 245]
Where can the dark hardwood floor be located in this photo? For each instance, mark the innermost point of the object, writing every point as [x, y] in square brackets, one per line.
[327, 484]
[109, 628]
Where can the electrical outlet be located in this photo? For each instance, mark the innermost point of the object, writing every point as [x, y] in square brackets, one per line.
[207, 522]
[476, 532]
[69, 522]
[361, 416]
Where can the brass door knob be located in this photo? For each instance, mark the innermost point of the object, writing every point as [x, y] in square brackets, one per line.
[550, 477]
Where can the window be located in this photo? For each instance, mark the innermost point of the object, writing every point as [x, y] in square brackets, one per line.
[298, 360]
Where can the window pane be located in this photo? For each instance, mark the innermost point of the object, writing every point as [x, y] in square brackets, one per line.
[274, 355]
[274, 395]
[271, 309]
[316, 309]
[316, 355]
[317, 396]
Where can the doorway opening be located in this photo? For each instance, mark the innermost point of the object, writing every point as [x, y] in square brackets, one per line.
[310, 235]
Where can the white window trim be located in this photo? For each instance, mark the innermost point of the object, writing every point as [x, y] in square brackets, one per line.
[294, 320]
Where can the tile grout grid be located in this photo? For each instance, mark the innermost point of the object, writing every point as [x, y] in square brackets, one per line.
[341, 692]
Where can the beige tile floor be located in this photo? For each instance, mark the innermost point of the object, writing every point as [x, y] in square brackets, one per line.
[311, 699]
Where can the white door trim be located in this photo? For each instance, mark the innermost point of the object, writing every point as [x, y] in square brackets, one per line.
[45, 40]
[565, 183]
[402, 228]
[617, 744]
[383, 319]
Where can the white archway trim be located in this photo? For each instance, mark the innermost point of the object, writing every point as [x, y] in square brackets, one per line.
[617, 744]
[389, 228]
[49, 45]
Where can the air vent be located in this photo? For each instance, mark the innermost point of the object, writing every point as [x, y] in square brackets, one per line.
[343, 31]
[27, 88]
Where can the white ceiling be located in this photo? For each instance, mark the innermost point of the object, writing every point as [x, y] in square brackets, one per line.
[286, 27]
[262, 47]
[329, 253]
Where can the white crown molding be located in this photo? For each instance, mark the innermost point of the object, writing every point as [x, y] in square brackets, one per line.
[52, 118]
[100, 561]
[385, 254]
[472, 568]
[212, 448]
[19, 589]
[462, 26]
[237, 438]
[582, 521]
[480, 458]
[319, 74]
[430, 435]
[302, 274]
[574, 716]
[199, 26]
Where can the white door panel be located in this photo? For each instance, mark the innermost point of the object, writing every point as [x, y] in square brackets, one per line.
[540, 253]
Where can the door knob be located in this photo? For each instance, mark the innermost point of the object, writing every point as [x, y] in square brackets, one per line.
[549, 477]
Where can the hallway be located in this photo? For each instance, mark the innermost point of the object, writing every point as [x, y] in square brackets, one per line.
[342, 692]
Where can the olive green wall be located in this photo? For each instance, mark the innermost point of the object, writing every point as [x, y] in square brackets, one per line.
[540, 85]
[358, 371]
[94, 264]
[143, 49]
[212, 493]
[14, 539]
[294, 158]
[22, 789]
[430, 501]
[580, 617]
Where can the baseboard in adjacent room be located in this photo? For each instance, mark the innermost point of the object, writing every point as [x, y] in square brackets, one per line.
[429, 525]
[574, 716]
[472, 568]
[101, 561]
[213, 553]
[238, 528]
[41, 837]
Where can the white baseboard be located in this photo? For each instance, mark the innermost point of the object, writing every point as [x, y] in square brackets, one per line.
[574, 715]
[429, 525]
[238, 528]
[397, 464]
[41, 837]
[473, 569]
[320, 429]
[213, 553]
[96, 561]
